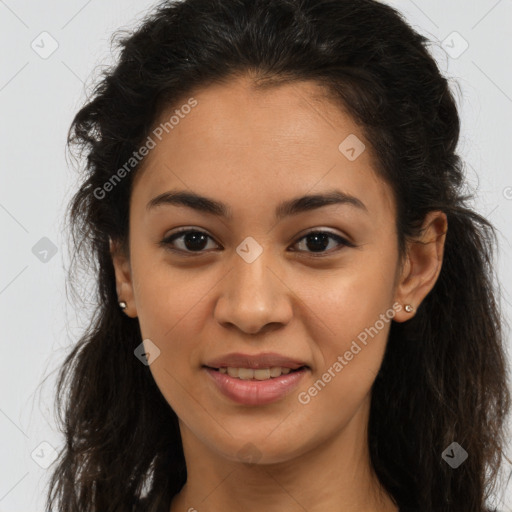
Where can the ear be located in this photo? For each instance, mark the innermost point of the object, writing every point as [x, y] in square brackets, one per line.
[124, 285]
[422, 265]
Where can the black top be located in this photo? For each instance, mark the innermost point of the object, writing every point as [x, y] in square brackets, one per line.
[407, 509]
[144, 503]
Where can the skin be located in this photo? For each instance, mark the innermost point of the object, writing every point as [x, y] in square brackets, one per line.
[253, 150]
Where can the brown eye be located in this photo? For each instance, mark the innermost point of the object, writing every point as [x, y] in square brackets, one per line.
[190, 240]
[318, 241]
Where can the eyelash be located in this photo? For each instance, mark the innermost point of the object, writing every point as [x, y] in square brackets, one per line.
[166, 242]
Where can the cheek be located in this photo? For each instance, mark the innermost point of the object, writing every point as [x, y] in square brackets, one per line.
[167, 297]
[353, 297]
[172, 310]
[355, 308]
[348, 360]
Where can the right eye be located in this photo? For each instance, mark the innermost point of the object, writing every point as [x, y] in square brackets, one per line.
[190, 241]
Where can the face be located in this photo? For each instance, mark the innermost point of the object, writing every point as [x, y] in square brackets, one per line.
[316, 282]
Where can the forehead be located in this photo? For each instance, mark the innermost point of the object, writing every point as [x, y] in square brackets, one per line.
[280, 141]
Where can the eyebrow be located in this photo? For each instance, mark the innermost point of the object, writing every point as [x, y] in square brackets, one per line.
[286, 208]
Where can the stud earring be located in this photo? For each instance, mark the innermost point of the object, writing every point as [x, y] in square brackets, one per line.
[409, 308]
[122, 305]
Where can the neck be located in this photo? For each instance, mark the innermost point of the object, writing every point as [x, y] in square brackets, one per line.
[335, 475]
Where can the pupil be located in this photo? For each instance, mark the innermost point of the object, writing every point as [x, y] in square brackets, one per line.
[195, 241]
[320, 241]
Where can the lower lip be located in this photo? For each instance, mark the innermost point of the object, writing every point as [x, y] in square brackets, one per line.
[256, 392]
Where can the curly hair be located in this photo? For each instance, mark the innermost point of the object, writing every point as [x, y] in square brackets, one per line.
[444, 373]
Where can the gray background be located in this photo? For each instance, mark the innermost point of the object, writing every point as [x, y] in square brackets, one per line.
[39, 93]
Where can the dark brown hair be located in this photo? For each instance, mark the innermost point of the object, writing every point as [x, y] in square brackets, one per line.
[443, 377]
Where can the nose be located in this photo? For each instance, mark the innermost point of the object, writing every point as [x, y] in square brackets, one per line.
[253, 297]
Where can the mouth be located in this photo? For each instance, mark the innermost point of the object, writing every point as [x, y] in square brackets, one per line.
[255, 387]
[259, 374]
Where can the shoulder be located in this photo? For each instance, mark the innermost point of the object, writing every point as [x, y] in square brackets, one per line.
[413, 509]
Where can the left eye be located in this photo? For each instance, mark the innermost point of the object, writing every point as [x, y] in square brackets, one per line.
[192, 240]
[319, 240]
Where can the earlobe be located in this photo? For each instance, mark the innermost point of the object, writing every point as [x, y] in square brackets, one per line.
[124, 284]
[422, 266]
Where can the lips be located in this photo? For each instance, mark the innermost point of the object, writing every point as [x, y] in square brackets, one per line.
[261, 389]
[255, 392]
[263, 360]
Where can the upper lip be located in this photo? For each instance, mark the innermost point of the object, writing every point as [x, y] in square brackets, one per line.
[264, 360]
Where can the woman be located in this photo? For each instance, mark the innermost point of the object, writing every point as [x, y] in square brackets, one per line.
[295, 302]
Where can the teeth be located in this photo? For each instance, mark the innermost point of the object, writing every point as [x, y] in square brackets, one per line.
[233, 372]
[245, 373]
[276, 371]
[261, 373]
[258, 374]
